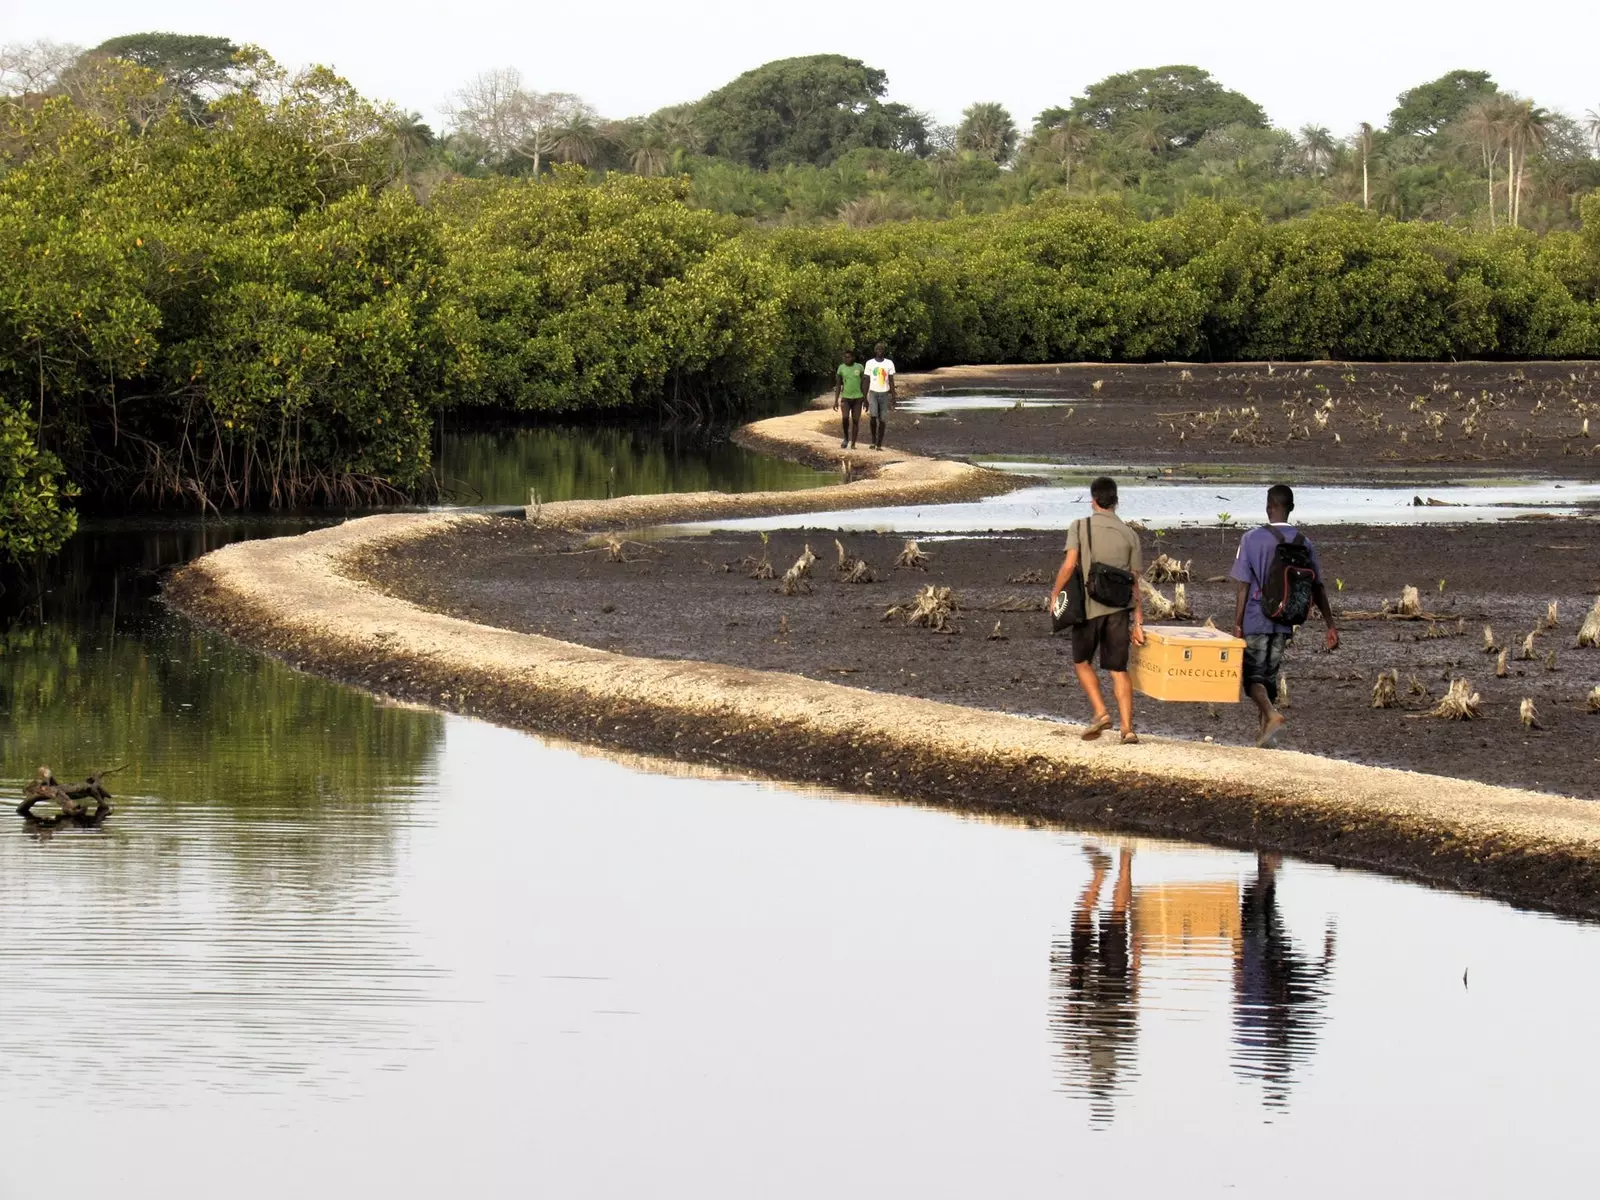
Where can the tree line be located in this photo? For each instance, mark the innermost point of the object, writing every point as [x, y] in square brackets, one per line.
[226, 290]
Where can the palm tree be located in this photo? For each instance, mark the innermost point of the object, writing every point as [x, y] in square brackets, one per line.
[577, 139]
[987, 129]
[648, 151]
[1146, 129]
[1363, 141]
[412, 138]
[1069, 140]
[1526, 129]
[1316, 147]
[1591, 126]
[1484, 125]
[678, 127]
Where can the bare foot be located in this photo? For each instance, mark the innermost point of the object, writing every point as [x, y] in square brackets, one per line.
[1271, 731]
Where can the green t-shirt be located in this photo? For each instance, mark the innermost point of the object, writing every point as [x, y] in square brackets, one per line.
[851, 374]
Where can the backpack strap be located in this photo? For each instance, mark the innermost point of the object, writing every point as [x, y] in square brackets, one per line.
[1299, 538]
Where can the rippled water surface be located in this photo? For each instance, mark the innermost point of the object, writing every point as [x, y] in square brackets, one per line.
[328, 947]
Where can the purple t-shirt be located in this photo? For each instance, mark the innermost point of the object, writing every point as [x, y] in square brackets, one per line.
[1257, 549]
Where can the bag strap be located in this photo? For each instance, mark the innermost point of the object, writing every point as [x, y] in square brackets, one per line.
[1273, 530]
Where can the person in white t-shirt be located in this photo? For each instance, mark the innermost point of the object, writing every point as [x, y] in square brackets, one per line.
[880, 392]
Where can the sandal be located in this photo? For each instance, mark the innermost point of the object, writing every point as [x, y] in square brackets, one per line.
[1130, 738]
[1097, 726]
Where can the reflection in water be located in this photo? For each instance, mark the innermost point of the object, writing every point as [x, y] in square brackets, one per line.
[1099, 980]
[1279, 995]
[502, 466]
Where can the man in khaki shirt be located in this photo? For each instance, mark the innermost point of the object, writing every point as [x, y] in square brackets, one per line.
[1110, 631]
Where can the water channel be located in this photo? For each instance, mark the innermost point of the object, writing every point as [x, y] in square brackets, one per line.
[330, 946]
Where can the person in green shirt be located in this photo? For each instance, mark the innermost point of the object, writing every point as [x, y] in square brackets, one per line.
[848, 388]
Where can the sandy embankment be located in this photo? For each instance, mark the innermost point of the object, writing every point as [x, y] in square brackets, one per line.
[297, 598]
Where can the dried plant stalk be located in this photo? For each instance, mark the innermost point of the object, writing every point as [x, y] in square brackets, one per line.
[1589, 633]
[912, 557]
[1384, 691]
[1460, 703]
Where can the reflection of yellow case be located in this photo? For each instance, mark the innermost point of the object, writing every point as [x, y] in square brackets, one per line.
[1178, 662]
[1177, 918]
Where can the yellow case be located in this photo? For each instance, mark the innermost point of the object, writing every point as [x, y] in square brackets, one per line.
[1180, 662]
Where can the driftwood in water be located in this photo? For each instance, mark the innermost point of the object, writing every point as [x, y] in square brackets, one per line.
[67, 798]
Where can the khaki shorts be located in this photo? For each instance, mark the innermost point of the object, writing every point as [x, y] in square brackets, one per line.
[878, 404]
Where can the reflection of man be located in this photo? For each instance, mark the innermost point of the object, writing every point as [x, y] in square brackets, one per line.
[1098, 976]
[1278, 994]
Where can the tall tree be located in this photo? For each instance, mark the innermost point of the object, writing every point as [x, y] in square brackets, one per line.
[1591, 125]
[1526, 128]
[196, 67]
[1483, 126]
[1069, 140]
[512, 122]
[806, 110]
[1316, 146]
[33, 68]
[1429, 107]
[1146, 130]
[1363, 145]
[577, 139]
[987, 129]
[1189, 99]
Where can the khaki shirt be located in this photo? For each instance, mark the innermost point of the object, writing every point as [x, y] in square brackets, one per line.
[1114, 544]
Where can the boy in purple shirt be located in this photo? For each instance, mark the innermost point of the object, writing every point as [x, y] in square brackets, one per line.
[1264, 638]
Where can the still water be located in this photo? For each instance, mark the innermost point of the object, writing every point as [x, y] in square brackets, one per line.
[495, 466]
[333, 947]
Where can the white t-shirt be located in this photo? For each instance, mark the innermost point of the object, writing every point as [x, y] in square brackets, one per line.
[879, 372]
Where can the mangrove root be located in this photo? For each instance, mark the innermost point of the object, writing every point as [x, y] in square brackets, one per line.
[1501, 667]
[1530, 715]
[1167, 570]
[1589, 634]
[911, 557]
[1384, 691]
[1460, 703]
[933, 608]
[1156, 605]
[795, 578]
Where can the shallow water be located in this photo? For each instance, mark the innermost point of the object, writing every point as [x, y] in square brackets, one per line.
[490, 966]
[501, 466]
[1165, 506]
[944, 402]
[330, 947]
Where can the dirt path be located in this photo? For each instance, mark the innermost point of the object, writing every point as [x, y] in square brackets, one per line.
[692, 598]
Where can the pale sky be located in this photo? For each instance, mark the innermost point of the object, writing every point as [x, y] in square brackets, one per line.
[1334, 65]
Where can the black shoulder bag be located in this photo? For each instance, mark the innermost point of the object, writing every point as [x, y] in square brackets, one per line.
[1070, 608]
[1111, 586]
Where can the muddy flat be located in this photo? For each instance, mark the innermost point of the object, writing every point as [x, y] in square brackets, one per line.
[694, 597]
[1347, 417]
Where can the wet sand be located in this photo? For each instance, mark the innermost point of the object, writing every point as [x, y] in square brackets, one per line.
[1349, 417]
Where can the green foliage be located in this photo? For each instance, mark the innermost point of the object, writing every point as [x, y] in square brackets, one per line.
[32, 519]
[228, 313]
[1429, 107]
[256, 308]
[805, 110]
[1190, 102]
[188, 62]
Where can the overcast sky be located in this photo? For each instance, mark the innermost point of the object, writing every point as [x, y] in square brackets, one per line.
[1333, 65]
